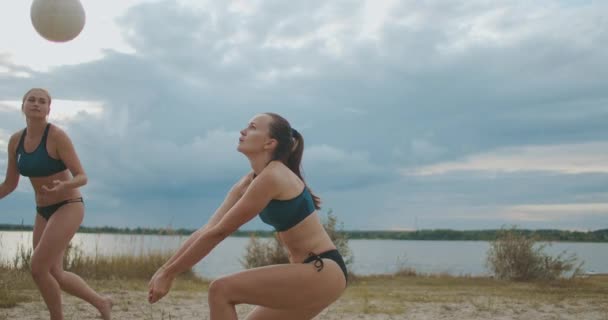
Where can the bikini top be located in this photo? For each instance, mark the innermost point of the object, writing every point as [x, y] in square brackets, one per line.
[284, 214]
[37, 163]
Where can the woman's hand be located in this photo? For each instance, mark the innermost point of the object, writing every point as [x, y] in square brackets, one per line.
[156, 274]
[159, 285]
[58, 186]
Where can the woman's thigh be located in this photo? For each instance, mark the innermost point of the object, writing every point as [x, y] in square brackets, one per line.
[284, 287]
[57, 233]
[264, 313]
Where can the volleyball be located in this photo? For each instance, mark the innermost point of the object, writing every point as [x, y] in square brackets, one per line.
[57, 20]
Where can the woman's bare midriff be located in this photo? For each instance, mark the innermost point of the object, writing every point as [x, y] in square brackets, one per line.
[306, 237]
[44, 198]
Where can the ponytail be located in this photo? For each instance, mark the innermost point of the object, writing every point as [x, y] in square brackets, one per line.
[290, 148]
[294, 162]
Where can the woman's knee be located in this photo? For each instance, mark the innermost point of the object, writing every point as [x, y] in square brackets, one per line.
[220, 290]
[39, 268]
[58, 274]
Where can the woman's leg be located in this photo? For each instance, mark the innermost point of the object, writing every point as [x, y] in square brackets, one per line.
[290, 291]
[39, 225]
[47, 285]
[264, 313]
[74, 285]
[49, 249]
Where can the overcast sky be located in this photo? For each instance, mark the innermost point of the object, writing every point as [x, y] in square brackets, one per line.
[416, 114]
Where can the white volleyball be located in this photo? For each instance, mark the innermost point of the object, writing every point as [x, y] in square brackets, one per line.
[57, 20]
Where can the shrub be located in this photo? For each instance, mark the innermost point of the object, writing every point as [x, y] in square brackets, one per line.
[515, 256]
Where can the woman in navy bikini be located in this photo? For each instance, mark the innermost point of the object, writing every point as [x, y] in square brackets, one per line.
[316, 276]
[44, 153]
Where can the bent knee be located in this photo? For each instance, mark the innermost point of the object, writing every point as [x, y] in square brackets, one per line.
[58, 274]
[39, 269]
[221, 289]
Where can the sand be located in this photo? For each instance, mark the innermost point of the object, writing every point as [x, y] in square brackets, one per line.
[192, 305]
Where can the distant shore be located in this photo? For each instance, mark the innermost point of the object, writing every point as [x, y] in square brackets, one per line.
[600, 235]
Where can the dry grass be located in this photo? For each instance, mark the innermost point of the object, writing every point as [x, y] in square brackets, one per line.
[391, 294]
[15, 287]
[125, 272]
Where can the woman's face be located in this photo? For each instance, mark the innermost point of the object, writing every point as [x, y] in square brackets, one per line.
[256, 137]
[36, 104]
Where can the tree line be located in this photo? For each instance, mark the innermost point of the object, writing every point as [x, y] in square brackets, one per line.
[600, 235]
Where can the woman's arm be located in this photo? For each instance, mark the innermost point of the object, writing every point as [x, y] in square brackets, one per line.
[11, 180]
[231, 198]
[257, 196]
[67, 154]
[235, 193]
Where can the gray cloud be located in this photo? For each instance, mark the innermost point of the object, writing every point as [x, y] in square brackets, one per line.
[431, 83]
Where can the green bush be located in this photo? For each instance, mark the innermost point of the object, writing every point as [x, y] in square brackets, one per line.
[516, 256]
[262, 253]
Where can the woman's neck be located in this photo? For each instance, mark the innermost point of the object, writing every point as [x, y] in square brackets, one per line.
[259, 162]
[36, 126]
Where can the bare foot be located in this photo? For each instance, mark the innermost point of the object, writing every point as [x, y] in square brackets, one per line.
[106, 309]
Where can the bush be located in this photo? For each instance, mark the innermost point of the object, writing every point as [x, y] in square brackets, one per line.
[515, 256]
[262, 253]
[339, 238]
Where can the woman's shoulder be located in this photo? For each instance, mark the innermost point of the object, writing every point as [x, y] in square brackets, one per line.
[276, 167]
[15, 137]
[276, 171]
[280, 173]
[17, 134]
[56, 132]
[55, 129]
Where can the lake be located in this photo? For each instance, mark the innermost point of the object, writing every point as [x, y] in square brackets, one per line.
[370, 256]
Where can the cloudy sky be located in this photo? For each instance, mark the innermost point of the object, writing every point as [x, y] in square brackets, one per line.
[416, 114]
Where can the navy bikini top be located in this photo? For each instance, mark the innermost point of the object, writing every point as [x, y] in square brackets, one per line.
[284, 214]
[37, 163]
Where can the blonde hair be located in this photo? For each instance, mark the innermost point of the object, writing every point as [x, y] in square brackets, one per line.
[32, 89]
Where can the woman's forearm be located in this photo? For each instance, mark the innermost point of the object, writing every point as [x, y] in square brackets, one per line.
[76, 182]
[198, 249]
[217, 216]
[183, 247]
[193, 242]
[5, 190]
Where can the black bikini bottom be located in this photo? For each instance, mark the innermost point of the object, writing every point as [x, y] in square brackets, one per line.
[47, 211]
[331, 254]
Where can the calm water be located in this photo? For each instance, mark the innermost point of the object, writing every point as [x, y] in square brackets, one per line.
[370, 256]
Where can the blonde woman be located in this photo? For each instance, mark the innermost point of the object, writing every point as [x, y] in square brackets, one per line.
[44, 153]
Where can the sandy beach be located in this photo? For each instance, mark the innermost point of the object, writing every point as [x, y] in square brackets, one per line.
[410, 301]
